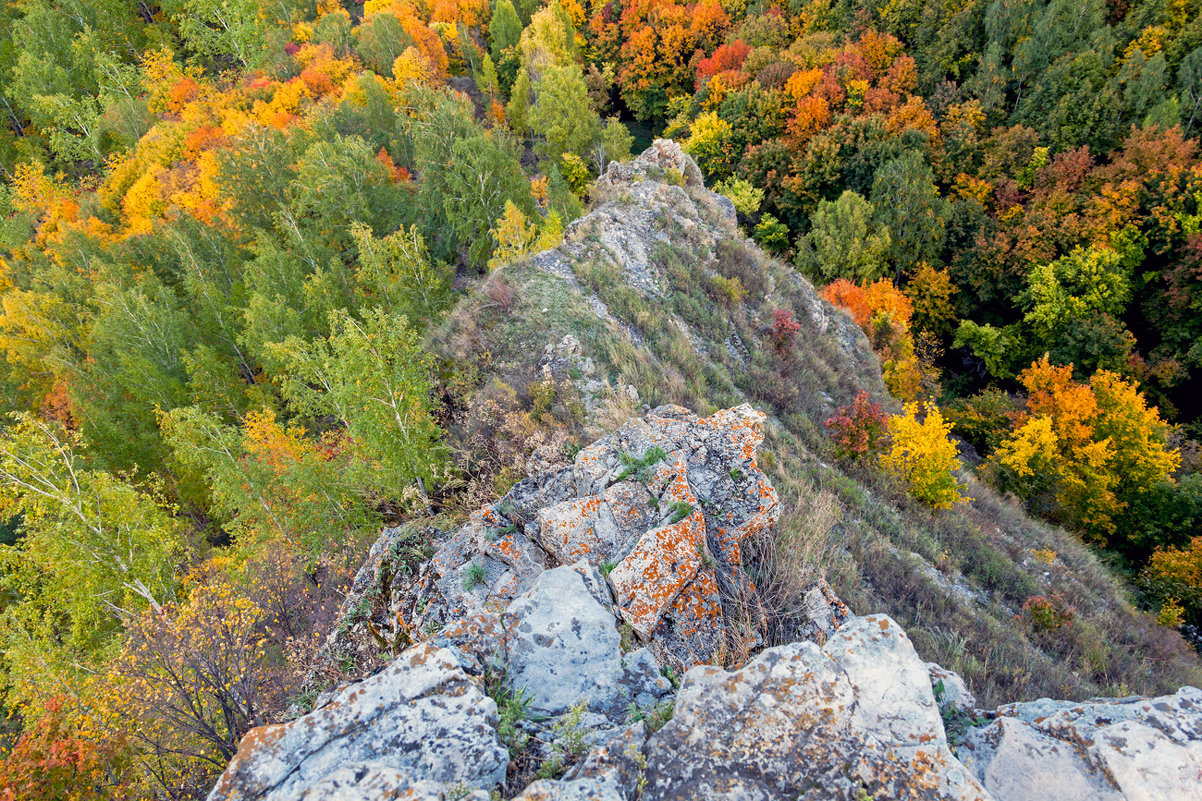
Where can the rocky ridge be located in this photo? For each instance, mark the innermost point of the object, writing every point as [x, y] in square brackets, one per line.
[565, 642]
[590, 593]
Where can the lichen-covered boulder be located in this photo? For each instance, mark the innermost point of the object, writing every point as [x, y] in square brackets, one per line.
[373, 781]
[853, 718]
[419, 723]
[665, 503]
[1134, 748]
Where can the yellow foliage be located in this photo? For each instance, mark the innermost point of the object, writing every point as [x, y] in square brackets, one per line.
[550, 233]
[923, 457]
[144, 201]
[967, 186]
[284, 104]
[1171, 614]
[1093, 445]
[514, 236]
[1046, 555]
[1031, 449]
[412, 68]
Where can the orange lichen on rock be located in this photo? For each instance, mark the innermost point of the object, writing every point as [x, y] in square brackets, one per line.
[662, 563]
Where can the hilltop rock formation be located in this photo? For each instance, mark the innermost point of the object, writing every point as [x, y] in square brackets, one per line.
[598, 632]
[591, 571]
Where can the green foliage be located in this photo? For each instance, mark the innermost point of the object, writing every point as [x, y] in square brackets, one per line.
[371, 375]
[998, 348]
[1075, 287]
[513, 707]
[906, 203]
[615, 143]
[473, 576]
[561, 113]
[679, 511]
[843, 241]
[771, 234]
[518, 110]
[746, 197]
[396, 272]
[94, 549]
[641, 469]
[232, 30]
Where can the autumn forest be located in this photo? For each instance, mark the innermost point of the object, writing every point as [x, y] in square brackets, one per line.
[228, 228]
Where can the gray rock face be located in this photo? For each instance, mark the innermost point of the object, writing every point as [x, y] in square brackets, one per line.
[652, 163]
[1142, 748]
[565, 650]
[950, 690]
[798, 721]
[372, 781]
[422, 719]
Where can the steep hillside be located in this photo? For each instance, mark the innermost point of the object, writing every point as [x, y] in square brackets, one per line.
[643, 603]
[634, 310]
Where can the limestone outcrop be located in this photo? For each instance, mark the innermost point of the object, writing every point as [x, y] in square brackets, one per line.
[1106, 749]
[661, 506]
[555, 619]
[418, 726]
[851, 719]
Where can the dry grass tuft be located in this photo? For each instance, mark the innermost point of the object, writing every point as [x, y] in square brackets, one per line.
[789, 559]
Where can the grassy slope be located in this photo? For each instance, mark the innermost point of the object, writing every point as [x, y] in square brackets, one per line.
[954, 579]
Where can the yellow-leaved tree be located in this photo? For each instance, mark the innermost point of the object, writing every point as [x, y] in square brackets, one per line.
[922, 455]
[1083, 452]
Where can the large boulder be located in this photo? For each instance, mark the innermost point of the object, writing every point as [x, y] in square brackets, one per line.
[653, 165]
[1106, 749]
[853, 719]
[565, 650]
[420, 724]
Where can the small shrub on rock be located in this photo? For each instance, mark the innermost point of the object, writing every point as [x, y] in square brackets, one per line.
[730, 292]
[784, 328]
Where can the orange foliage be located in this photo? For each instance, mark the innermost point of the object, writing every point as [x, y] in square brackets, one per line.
[913, 115]
[317, 82]
[471, 13]
[709, 23]
[203, 138]
[1052, 392]
[728, 57]
[56, 405]
[395, 173]
[812, 115]
[183, 92]
[879, 50]
[52, 759]
[846, 295]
